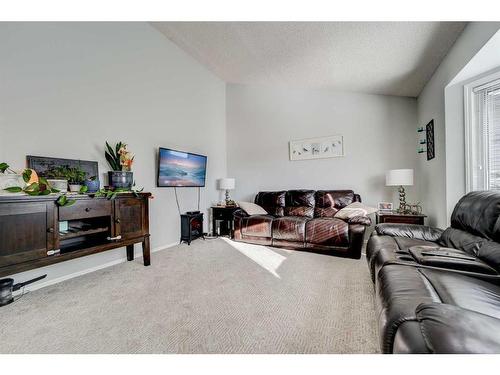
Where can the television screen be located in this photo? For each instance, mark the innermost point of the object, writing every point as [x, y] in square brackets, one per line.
[181, 169]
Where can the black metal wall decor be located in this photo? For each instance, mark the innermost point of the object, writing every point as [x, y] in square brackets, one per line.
[42, 164]
[429, 132]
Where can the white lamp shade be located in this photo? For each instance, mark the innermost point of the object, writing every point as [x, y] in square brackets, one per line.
[399, 177]
[226, 183]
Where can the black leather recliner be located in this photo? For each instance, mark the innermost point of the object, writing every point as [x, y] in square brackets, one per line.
[439, 291]
[471, 245]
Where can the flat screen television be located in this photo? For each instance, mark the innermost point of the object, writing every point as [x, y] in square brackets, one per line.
[181, 169]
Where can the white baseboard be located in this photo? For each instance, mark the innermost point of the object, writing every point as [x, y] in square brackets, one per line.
[89, 270]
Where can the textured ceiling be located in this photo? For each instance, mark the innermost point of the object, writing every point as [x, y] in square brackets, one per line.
[392, 58]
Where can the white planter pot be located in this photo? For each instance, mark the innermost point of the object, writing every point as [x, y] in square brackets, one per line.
[61, 185]
[10, 180]
[75, 188]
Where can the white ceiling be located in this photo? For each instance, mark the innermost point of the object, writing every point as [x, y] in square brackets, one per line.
[392, 58]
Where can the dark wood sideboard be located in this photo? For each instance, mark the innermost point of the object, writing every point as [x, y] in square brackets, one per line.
[394, 217]
[30, 235]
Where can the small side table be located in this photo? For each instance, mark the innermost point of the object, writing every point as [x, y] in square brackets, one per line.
[222, 220]
[394, 217]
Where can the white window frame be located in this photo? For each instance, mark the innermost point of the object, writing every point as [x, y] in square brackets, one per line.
[469, 119]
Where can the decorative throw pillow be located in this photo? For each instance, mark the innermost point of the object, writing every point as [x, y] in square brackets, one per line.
[355, 209]
[252, 208]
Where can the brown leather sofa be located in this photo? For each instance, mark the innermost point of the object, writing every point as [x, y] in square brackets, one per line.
[439, 291]
[304, 220]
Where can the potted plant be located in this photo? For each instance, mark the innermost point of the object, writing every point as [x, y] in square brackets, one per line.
[76, 178]
[25, 182]
[92, 184]
[58, 177]
[120, 160]
[9, 178]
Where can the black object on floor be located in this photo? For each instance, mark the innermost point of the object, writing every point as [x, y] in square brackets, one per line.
[191, 227]
[7, 286]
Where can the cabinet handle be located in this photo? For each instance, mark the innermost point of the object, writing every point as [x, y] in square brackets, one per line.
[117, 221]
[53, 252]
[87, 209]
[50, 230]
[114, 238]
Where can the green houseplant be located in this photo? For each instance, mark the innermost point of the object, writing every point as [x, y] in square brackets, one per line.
[9, 178]
[58, 177]
[33, 185]
[76, 178]
[40, 186]
[120, 161]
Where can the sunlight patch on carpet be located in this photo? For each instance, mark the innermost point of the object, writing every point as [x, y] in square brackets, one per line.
[262, 255]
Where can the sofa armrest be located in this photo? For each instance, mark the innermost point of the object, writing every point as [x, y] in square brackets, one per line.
[239, 213]
[361, 220]
[452, 329]
[356, 239]
[238, 217]
[420, 232]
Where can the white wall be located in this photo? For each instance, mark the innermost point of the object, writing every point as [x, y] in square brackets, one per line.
[68, 87]
[441, 180]
[379, 134]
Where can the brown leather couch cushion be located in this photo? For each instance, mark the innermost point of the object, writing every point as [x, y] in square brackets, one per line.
[299, 203]
[256, 225]
[300, 229]
[327, 231]
[272, 201]
[291, 228]
[328, 202]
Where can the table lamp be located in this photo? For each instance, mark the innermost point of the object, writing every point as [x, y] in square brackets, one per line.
[401, 178]
[226, 184]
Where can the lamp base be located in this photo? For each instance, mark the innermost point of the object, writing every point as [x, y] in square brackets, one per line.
[229, 201]
[402, 200]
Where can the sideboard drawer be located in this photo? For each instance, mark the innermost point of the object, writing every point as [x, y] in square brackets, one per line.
[83, 209]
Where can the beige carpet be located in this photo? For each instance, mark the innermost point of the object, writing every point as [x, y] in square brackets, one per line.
[209, 297]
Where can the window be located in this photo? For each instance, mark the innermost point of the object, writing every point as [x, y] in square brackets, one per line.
[482, 132]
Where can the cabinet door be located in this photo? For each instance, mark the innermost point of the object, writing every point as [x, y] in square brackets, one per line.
[130, 217]
[27, 231]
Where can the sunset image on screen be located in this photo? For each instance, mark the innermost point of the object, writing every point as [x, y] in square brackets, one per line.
[178, 168]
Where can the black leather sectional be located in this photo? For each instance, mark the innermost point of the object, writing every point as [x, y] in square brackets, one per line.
[439, 291]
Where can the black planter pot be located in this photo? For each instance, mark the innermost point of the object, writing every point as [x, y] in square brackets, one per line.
[120, 179]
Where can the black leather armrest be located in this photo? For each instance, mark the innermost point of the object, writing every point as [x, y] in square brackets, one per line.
[362, 220]
[451, 329]
[420, 232]
[356, 239]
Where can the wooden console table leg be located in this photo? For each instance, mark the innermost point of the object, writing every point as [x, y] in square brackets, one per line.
[130, 252]
[146, 252]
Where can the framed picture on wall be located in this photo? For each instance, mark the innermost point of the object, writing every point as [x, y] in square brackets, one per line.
[385, 206]
[317, 148]
[429, 135]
